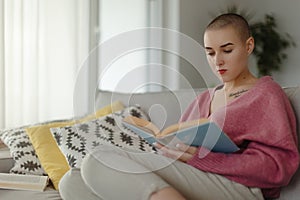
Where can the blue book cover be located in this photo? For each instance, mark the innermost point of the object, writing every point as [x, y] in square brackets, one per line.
[208, 135]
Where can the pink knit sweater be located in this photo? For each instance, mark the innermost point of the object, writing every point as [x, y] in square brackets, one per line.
[262, 123]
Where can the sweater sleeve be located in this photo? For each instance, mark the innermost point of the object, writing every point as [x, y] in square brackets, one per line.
[257, 166]
[271, 156]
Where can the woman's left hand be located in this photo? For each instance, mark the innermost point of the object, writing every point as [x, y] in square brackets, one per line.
[181, 151]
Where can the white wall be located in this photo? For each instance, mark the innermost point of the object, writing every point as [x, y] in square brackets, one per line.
[195, 14]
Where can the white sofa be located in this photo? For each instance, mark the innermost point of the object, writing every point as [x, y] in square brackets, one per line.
[164, 105]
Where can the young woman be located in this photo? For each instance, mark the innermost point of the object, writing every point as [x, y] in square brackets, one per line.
[255, 114]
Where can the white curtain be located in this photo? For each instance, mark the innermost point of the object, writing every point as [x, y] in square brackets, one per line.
[43, 44]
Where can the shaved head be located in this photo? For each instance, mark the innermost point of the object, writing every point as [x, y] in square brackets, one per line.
[233, 20]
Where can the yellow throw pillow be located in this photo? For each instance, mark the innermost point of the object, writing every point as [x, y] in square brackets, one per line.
[49, 154]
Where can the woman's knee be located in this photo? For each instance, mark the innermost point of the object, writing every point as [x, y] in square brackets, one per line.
[109, 170]
[72, 187]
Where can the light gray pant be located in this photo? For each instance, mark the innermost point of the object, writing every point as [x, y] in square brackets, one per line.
[111, 173]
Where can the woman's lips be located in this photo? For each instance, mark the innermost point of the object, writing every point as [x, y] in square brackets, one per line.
[222, 71]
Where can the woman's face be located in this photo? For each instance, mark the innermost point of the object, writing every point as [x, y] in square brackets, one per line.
[226, 53]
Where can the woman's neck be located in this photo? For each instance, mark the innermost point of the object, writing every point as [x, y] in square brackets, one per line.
[245, 80]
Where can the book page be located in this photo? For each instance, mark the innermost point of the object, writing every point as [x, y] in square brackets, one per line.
[25, 182]
[5, 154]
[142, 124]
[183, 125]
[196, 133]
[2, 145]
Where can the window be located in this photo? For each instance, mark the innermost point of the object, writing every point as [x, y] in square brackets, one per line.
[134, 68]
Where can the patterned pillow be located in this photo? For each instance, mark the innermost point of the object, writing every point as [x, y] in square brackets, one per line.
[22, 148]
[50, 156]
[78, 140]
[22, 151]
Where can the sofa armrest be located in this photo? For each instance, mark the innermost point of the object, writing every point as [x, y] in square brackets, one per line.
[6, 161]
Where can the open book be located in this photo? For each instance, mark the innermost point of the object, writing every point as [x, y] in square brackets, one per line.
[200, 132]
[23, 182]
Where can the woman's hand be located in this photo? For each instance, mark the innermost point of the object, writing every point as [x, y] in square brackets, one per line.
[181, 151]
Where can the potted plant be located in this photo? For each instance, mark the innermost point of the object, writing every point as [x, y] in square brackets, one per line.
[269, 45]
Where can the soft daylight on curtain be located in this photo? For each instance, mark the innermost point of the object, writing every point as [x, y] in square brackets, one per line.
[42, 44]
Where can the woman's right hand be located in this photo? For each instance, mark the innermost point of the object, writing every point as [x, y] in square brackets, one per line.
[181, 152]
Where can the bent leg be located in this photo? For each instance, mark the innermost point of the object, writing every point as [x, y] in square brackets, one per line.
[167, 193]
[72, 187]
[103, 176]
[113, 173]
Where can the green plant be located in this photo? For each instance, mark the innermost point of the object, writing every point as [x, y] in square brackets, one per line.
[270, 44]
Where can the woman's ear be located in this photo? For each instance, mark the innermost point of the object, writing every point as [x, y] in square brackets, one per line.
[250, 44]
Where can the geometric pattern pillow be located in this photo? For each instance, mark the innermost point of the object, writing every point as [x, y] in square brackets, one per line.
[22, 151]
[78, 140]
[50, 156]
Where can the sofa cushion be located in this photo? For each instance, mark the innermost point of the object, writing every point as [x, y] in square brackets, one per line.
[22, 151]
[292, 191]
[6, 161]
[78, 140]
[164, 108]
[50, 156]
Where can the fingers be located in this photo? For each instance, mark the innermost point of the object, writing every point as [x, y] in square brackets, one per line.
[186, 148]
[182, 152]
[179, 146]
[174, 154]
[157, 145]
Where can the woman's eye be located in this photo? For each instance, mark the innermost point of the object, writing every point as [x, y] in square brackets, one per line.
[210, 53]
[228, 51]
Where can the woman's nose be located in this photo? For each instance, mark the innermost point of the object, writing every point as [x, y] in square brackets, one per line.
[219, 61]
